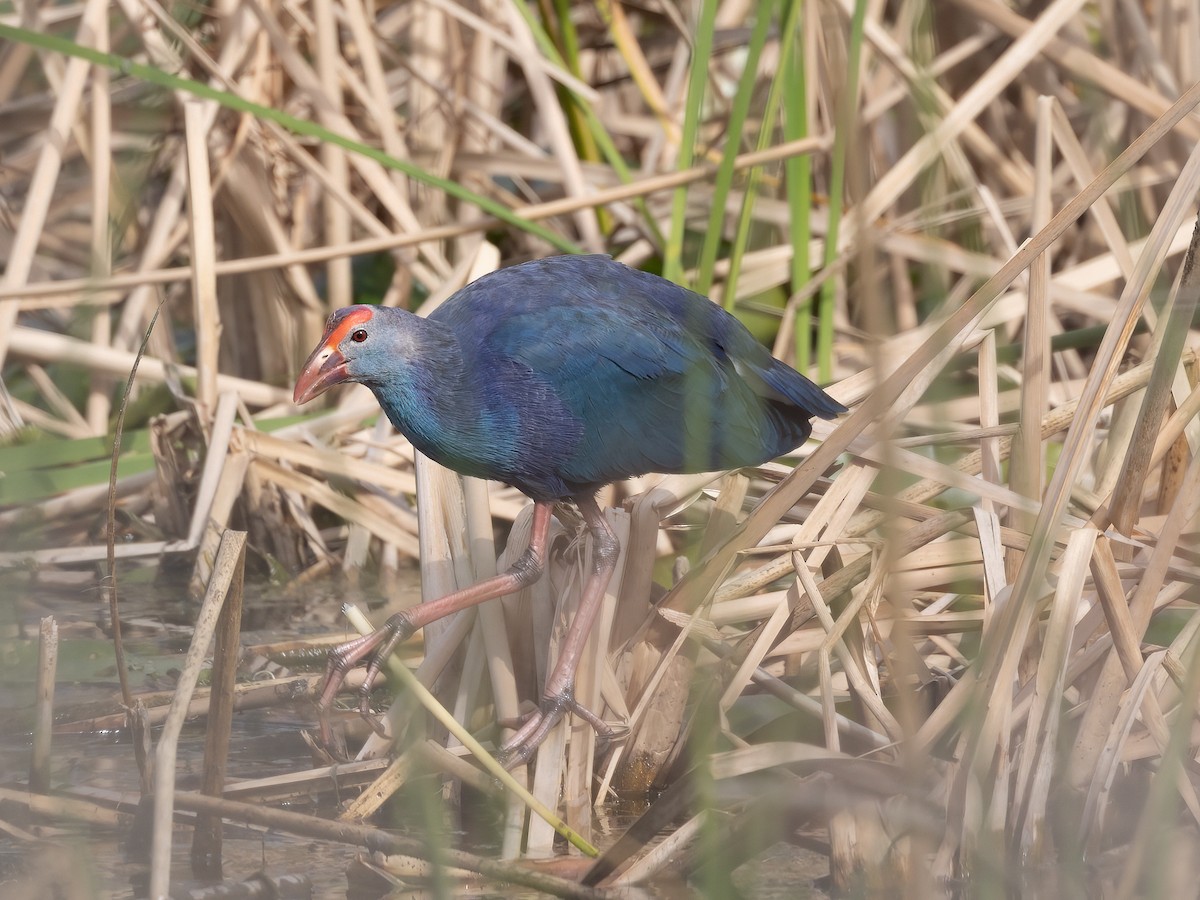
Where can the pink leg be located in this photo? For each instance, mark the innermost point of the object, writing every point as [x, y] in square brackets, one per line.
[559, 694]
[378, 645]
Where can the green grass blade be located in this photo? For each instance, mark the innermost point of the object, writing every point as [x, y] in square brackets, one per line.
[582, 108]
[693, 110]
[779, 86]
[738, 113]
[798, 178]
[837, 182]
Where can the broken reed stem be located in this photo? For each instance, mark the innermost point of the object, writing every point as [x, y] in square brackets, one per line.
[206, 842]
[229, 555]
[60, 809]
[43, 721]
[202, 242]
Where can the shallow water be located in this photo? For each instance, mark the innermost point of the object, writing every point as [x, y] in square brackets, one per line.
[94, 862]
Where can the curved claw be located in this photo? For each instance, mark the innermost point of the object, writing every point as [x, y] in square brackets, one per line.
[520, 747]
[375, 647]
[398, 630]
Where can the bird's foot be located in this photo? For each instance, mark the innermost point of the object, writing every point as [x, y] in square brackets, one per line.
[534, 726]
[375, 647]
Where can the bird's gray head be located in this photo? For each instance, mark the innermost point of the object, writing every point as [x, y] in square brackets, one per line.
[360, 343]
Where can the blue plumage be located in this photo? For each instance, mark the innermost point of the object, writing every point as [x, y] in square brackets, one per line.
[567, 373]
[559, 376]
[563, 374]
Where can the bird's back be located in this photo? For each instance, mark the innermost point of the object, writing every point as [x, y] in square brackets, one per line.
[588, 371]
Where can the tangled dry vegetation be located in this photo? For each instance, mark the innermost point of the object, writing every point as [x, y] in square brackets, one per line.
[957, 637]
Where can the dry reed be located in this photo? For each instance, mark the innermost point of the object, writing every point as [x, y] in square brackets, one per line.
[959, 635]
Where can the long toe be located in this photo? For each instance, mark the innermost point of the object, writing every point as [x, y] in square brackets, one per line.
[518, 748]
[375, 647]
[521, 746]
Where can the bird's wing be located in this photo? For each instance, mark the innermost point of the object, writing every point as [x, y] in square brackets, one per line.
[647, 394]
[613, 372]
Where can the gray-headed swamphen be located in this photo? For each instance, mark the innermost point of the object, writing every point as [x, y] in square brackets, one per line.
[559, 376]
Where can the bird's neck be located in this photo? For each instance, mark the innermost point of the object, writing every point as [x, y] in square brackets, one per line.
[425, 385]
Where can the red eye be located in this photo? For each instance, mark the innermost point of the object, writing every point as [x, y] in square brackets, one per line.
[359, 335]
